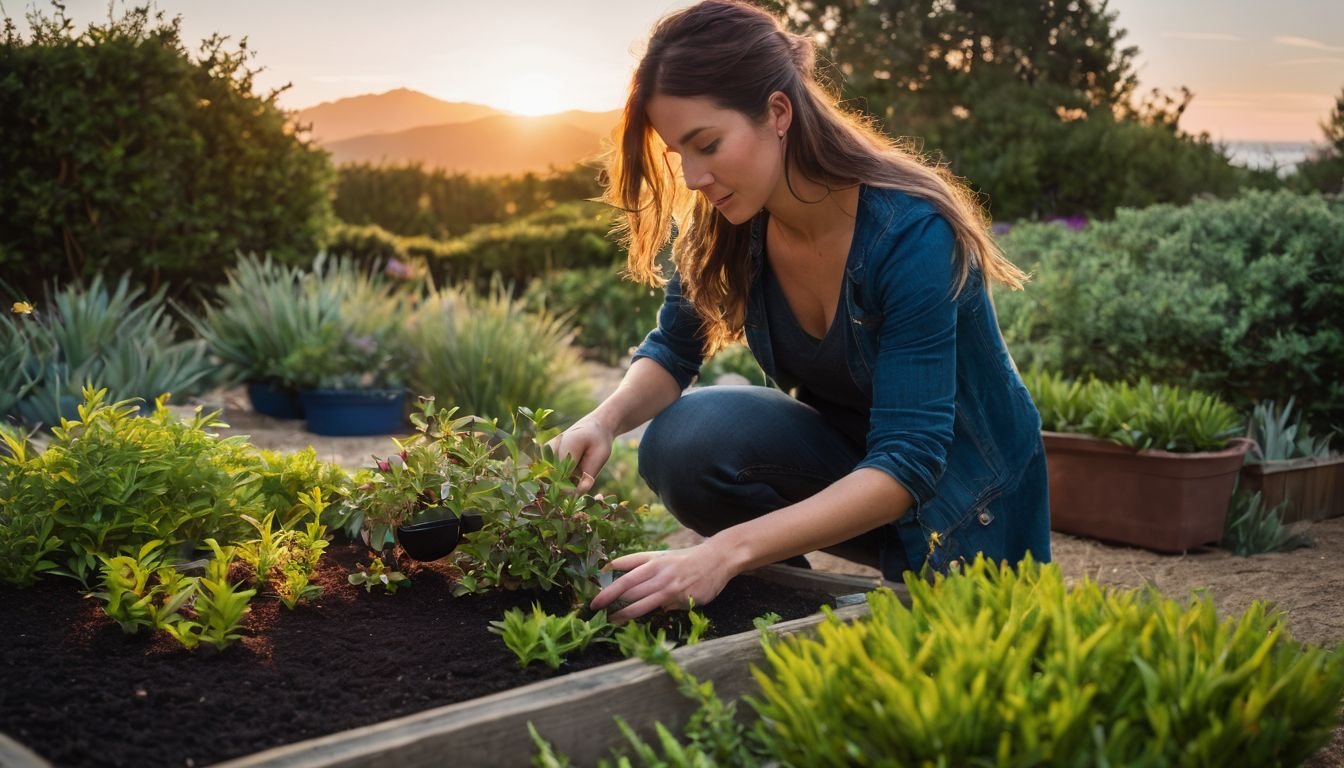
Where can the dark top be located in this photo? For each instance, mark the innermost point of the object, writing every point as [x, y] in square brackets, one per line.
[817, 368]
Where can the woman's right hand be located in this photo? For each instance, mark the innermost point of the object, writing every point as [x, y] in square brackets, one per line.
[589, 442]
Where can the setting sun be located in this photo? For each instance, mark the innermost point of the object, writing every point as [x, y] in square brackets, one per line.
[534, 93]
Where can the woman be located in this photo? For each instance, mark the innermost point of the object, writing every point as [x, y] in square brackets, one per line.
[859, 277]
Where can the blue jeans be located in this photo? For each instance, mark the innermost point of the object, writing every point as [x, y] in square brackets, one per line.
[720, 456]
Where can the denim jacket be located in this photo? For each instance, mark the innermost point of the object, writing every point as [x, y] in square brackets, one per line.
[950, 418]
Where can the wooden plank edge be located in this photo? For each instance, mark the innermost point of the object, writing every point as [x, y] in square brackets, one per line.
[574, 712]
[15, 755]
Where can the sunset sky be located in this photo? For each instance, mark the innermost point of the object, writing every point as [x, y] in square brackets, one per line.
[1260, 71]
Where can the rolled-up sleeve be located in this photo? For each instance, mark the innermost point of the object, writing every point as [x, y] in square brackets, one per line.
[677, 344]
[915, 375]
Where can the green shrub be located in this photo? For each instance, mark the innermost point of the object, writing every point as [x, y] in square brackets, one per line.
[104, 339]
[112, 481]
[1237, 297]
[1141, 416]
[487, 356]
[1252, 528]
[1009, 667]
[568, 236]
[612, 314]
[125, 153]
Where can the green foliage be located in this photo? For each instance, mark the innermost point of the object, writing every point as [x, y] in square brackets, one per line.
[294, 484]
[1141, 416]
[124, 153]
[284, 558]
[1253, 529]
[1010, 667]
[411, 201]
[334, 326]
[102, 338]
[612, 314]
[111, 481]
[1236, 297]
[735, 358]
[567, 236]
[1324, 171]
[488, 356]
[16, 373]
[1277, 436]
[1033, 103]
[541, 636]
[220, 606]
[441, 471]
[379, 575]
[129, 598]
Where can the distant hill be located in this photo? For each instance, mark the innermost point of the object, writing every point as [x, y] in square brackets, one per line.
[385, 113]
[494, 145]
[407, 126]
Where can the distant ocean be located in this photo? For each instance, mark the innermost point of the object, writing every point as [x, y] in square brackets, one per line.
[1266, 154]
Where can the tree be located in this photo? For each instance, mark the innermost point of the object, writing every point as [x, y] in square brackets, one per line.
[1015, 96]
[125, 154]
[1324, 171]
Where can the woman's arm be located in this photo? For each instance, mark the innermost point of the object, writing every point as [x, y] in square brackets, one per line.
[644, 392]
[857, 503]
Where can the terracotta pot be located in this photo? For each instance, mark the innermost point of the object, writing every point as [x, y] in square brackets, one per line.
[1167, 502]
[1313, 488]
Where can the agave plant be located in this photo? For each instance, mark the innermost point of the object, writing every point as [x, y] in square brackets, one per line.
[112, 339]
[1278, 436]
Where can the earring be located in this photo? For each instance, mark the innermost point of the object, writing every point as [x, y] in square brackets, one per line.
[781, 134]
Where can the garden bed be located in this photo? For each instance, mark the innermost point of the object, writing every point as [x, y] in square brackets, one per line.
[80, 692]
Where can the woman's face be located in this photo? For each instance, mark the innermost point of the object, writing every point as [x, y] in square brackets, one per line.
[733, 161]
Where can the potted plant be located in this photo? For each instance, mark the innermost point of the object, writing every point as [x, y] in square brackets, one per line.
[1288, 465]
[351, 380]
[1148, 465]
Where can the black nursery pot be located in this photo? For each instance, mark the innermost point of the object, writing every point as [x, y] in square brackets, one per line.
[433, 539]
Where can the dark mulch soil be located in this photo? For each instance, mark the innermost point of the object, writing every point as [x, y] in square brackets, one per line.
[79, 692]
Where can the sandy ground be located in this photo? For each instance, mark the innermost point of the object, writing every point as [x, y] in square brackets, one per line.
[1306, 584]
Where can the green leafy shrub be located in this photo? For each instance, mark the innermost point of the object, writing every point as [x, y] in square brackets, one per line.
[1277, 436]
[567, 236]
[612, 314]
[112, 481]
[126, 153]
[487, 355]
[1236, 297]
[1009, 667]
[1142, 416]
[16, 375]
[116, 339]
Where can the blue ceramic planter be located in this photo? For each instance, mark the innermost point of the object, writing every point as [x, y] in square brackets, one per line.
[276, 402]
[355, 412]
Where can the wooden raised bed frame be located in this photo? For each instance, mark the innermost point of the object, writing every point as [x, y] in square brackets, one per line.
[574, 712]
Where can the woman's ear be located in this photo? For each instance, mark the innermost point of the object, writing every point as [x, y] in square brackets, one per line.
[779, 112]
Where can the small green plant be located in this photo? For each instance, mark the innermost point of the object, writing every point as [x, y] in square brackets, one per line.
[379, 575]
[129, 597]
[611, 313]
[219, 606]
[1141, 416]
[1254, 529]
[540, 636]
[284, 559]
[1277, 436]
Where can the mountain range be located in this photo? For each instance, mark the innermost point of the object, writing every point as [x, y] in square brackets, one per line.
[402, 126]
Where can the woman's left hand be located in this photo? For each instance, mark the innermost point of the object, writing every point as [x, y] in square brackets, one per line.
[669, 579]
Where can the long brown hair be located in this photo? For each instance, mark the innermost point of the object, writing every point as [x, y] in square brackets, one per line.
[737, 55]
